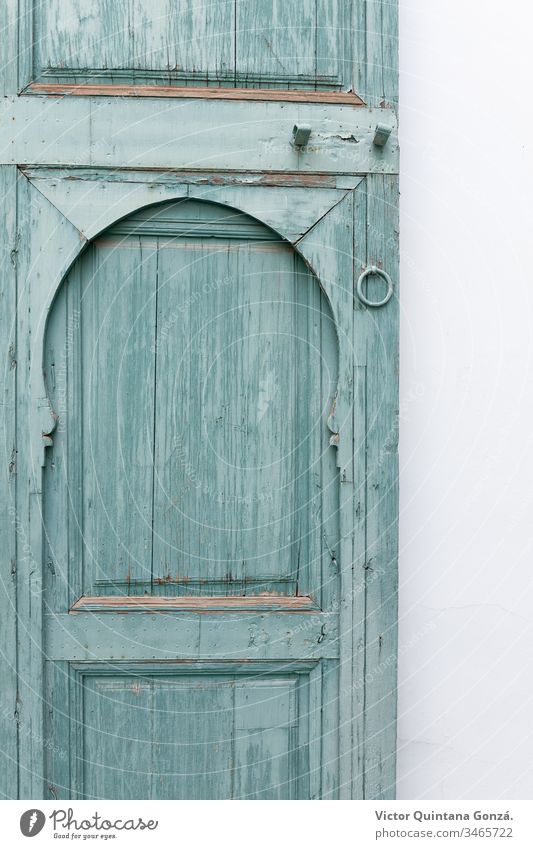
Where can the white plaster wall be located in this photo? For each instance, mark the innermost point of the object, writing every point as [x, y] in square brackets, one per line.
[466, 528]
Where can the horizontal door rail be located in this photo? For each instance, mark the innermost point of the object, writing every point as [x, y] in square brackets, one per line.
[256, 635]
[198, 92]
[193, 604]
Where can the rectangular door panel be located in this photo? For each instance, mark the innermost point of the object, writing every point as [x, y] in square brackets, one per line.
[173, 735]
[192, 378]
[232, 43]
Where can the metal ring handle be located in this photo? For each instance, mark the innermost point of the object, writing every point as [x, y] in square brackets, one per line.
[373, 269]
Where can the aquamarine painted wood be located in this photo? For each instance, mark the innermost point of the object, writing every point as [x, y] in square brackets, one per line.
[198, 595]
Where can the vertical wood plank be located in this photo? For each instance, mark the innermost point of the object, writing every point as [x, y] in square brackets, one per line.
[358, 606]
[275, 39]
[63, 472]
[266, 740]
[315, 732]
[73, 429]
[193, 730]
[381, 55]
[328, 247]
[9, 46]
[42, 228]
[119, 278]
[118, 717]
[25, 43]
[330, 39]
[8, 469]
[359, 494]
[108, 39]
[381, 495]
[59, 719]
[200, 39]
[355, 48]
[29, 556]
[55, 473]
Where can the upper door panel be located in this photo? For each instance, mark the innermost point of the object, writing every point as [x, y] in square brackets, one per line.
[228, 43]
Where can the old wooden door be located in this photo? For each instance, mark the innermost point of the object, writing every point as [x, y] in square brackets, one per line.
[199, 396]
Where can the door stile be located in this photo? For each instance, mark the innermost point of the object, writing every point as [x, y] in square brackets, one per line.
[28, 505]
[9, 523]
[376, 343]
[45, 236]
[361, 226]
[328, 248]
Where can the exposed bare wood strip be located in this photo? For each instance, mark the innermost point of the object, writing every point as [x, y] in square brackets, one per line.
[166, 176]
[201, 92]
[116, 604]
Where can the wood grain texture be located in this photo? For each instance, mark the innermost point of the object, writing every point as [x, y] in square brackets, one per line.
[201, 604]
[186, 35]
[9, 48]
[8, 522]
[382, 498]
[268, 635]
[29, 562]
[195, 92]
[118, 380]
[380, 72]
[359, 557]
[271, 39]
[154, 178]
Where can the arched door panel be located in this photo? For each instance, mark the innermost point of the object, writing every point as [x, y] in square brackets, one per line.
[203, 366]
[191, 359]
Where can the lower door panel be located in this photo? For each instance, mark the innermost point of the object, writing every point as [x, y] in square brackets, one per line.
[184, 731]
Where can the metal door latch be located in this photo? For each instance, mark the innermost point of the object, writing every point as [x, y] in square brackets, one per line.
[382, 134]
[373, 269]
[300, 134]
